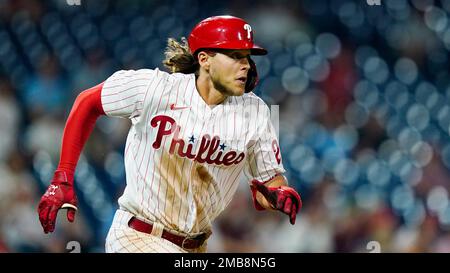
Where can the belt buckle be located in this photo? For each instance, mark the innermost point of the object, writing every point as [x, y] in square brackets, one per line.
[200, 237]
[184, 240]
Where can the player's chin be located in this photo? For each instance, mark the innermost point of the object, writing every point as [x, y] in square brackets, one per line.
[239, 90]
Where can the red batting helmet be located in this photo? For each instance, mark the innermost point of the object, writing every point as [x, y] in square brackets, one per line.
[226, 32]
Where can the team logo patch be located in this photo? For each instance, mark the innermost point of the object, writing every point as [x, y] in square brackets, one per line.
[248, 28]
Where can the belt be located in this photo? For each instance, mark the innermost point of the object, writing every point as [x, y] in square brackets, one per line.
[182, 241]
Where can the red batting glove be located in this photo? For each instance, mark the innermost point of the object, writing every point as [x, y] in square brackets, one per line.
[59, 195]
[283, 198]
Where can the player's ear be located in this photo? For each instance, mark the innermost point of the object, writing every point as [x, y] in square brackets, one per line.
[204, 59]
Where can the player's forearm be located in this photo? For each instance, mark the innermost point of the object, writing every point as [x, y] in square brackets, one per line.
[80, 123]
[277, 181]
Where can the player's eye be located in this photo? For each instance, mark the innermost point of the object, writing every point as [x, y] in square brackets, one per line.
[237, 56]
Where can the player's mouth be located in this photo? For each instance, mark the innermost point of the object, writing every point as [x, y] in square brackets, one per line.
[242, 80]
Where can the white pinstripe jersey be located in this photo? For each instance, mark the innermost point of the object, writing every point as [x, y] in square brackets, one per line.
[184, 158]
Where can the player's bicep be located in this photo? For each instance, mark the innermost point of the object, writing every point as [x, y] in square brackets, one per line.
[123, 93]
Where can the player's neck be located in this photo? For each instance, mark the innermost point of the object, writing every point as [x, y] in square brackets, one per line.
[207, 91]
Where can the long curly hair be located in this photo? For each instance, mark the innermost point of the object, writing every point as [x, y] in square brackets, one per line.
[178, 57]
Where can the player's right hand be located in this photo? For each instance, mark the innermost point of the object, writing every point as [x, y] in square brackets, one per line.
[60, 194]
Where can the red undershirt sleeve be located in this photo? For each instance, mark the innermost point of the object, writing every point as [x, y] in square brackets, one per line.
[80, 123]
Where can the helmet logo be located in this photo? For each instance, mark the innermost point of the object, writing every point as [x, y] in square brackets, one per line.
[248, 28]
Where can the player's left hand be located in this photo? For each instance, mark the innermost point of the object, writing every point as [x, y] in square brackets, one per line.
[283, 198]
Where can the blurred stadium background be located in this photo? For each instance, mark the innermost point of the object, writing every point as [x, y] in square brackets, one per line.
[364, 96]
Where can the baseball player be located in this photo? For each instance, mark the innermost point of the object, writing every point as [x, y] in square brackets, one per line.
[194, 132]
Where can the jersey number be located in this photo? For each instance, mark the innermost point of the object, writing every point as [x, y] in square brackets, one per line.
[276, 151]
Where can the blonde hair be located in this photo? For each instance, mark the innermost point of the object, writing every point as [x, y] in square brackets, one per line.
[179, 57]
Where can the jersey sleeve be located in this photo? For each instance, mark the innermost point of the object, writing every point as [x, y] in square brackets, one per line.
[124, 92]
[264, 155]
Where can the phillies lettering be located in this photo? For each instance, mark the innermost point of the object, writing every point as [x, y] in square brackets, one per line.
[208, 146]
